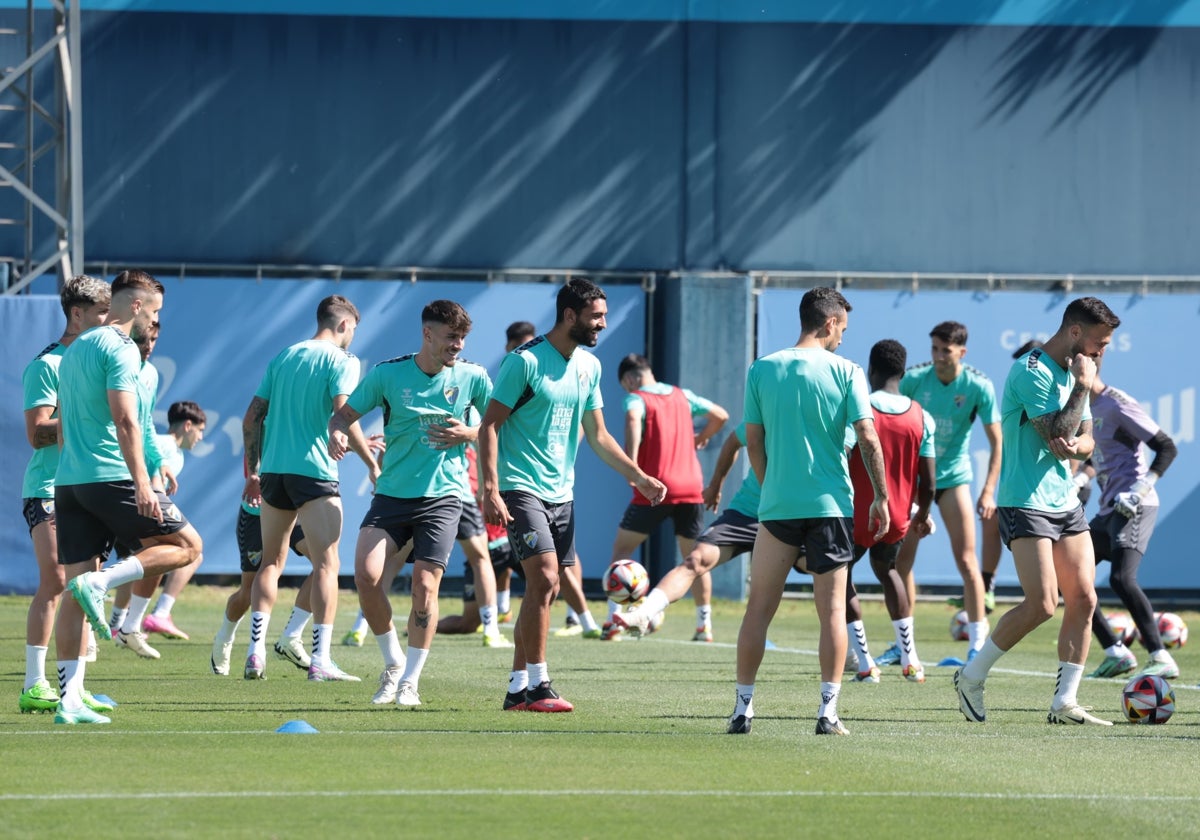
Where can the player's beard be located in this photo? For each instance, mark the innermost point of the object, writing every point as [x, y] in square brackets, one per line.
[584, 335]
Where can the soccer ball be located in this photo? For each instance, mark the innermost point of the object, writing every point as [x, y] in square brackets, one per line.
[1148, 699]
[1173, 630]
[958, 626]
[1122, 626]
[626, 581]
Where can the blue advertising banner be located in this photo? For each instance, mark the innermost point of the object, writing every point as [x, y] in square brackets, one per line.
[1144, 360]
[218, 336]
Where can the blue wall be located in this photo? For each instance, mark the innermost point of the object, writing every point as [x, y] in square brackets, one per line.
[1141, 361]
[218, 336]
[1032, 136]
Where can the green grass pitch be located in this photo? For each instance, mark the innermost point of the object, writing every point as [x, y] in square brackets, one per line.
[645, 754]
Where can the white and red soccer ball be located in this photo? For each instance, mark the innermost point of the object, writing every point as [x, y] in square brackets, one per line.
[1122, 626]
[626, 581]
[958, 626]
[1172, 628]
[1148, 698]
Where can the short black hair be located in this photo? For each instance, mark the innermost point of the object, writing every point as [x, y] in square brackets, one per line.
[818, 305]
[519, 329]
[888, 358]
[185, 410]
[1090, 311]
[1031, 344]
[632, 362]
[576, 294]
[951, 332]
[333, 309]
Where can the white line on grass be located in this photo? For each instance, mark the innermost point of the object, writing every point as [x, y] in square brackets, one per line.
[621, 792]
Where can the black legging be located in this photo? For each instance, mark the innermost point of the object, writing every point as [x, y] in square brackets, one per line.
[1123, 580]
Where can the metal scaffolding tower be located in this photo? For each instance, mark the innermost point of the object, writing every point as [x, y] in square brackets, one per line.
[34, 124]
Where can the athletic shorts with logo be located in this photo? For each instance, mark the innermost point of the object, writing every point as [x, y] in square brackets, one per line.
[1016, 523]
[1113, 531]
[538, 526]
[92, 518]
[37, 511]
[249, 540]
[431, 524]
[288, 491]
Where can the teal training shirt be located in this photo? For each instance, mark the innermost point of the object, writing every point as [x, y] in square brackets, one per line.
[412, 400]
[954, 407]
[39, 381]
[299, 386]
[803, 399]
[147, 399]
[1030, 476]
[102, 359]
[548, 396]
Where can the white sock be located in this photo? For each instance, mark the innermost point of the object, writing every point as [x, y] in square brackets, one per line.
[829, 698]
[35, 665]
[703, 614]
[162, 609]
[296, 622]
[70, 684]
[321, 635]
[1066, 690]
[517, 681]
[743, 703]
[657, 601]
[117, 618]
[572, 616]
[905, 641]
[856, 634]
[360, 624]
[503, 602]
[613, 609]
[487, 614]
[414, 662]
[977, 669]
[228, 630]
[1161, 655]
[137, 611]
[389, 646]
[538, 673]
[259, 622]
[123, 571]
[1118, 650]
[976, 632]
[586, 620]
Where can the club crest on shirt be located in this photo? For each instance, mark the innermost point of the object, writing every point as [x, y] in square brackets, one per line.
[959, 400]
[585, 380]
[530, 538]
[450, 392]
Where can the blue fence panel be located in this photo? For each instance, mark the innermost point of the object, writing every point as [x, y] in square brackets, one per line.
[1144, 360]
[218, 336]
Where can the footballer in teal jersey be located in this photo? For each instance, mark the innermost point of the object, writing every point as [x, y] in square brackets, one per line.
[798, 403]
[426, 398]
[1047, 424]
[292, 475]
[956, 395]
[85, 302]
[103, 493]
[545, 390]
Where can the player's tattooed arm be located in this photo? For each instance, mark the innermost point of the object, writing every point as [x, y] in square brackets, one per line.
[1063, 423]
[252, 427]
[41, 426]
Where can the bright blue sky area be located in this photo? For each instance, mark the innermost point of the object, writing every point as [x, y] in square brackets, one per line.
[957, 12]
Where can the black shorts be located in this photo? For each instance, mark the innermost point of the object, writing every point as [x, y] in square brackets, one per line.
[733, 529]
[1016, 523]
[827, 541]
[1113, 531]
[249, 539]
[643, 519]
[92, 518]
[880, 552]
[288, 491]
[37, 511]
[430, 523]
[470, 521]
[538, 527]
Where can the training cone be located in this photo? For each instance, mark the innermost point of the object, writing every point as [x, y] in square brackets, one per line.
[297, 727]
[951, 662]
[770, 645]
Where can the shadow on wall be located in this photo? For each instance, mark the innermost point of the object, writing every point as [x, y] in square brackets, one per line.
[384, 141]
[1088, 60]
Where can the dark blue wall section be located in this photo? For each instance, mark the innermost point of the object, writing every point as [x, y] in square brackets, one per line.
[981, 136]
